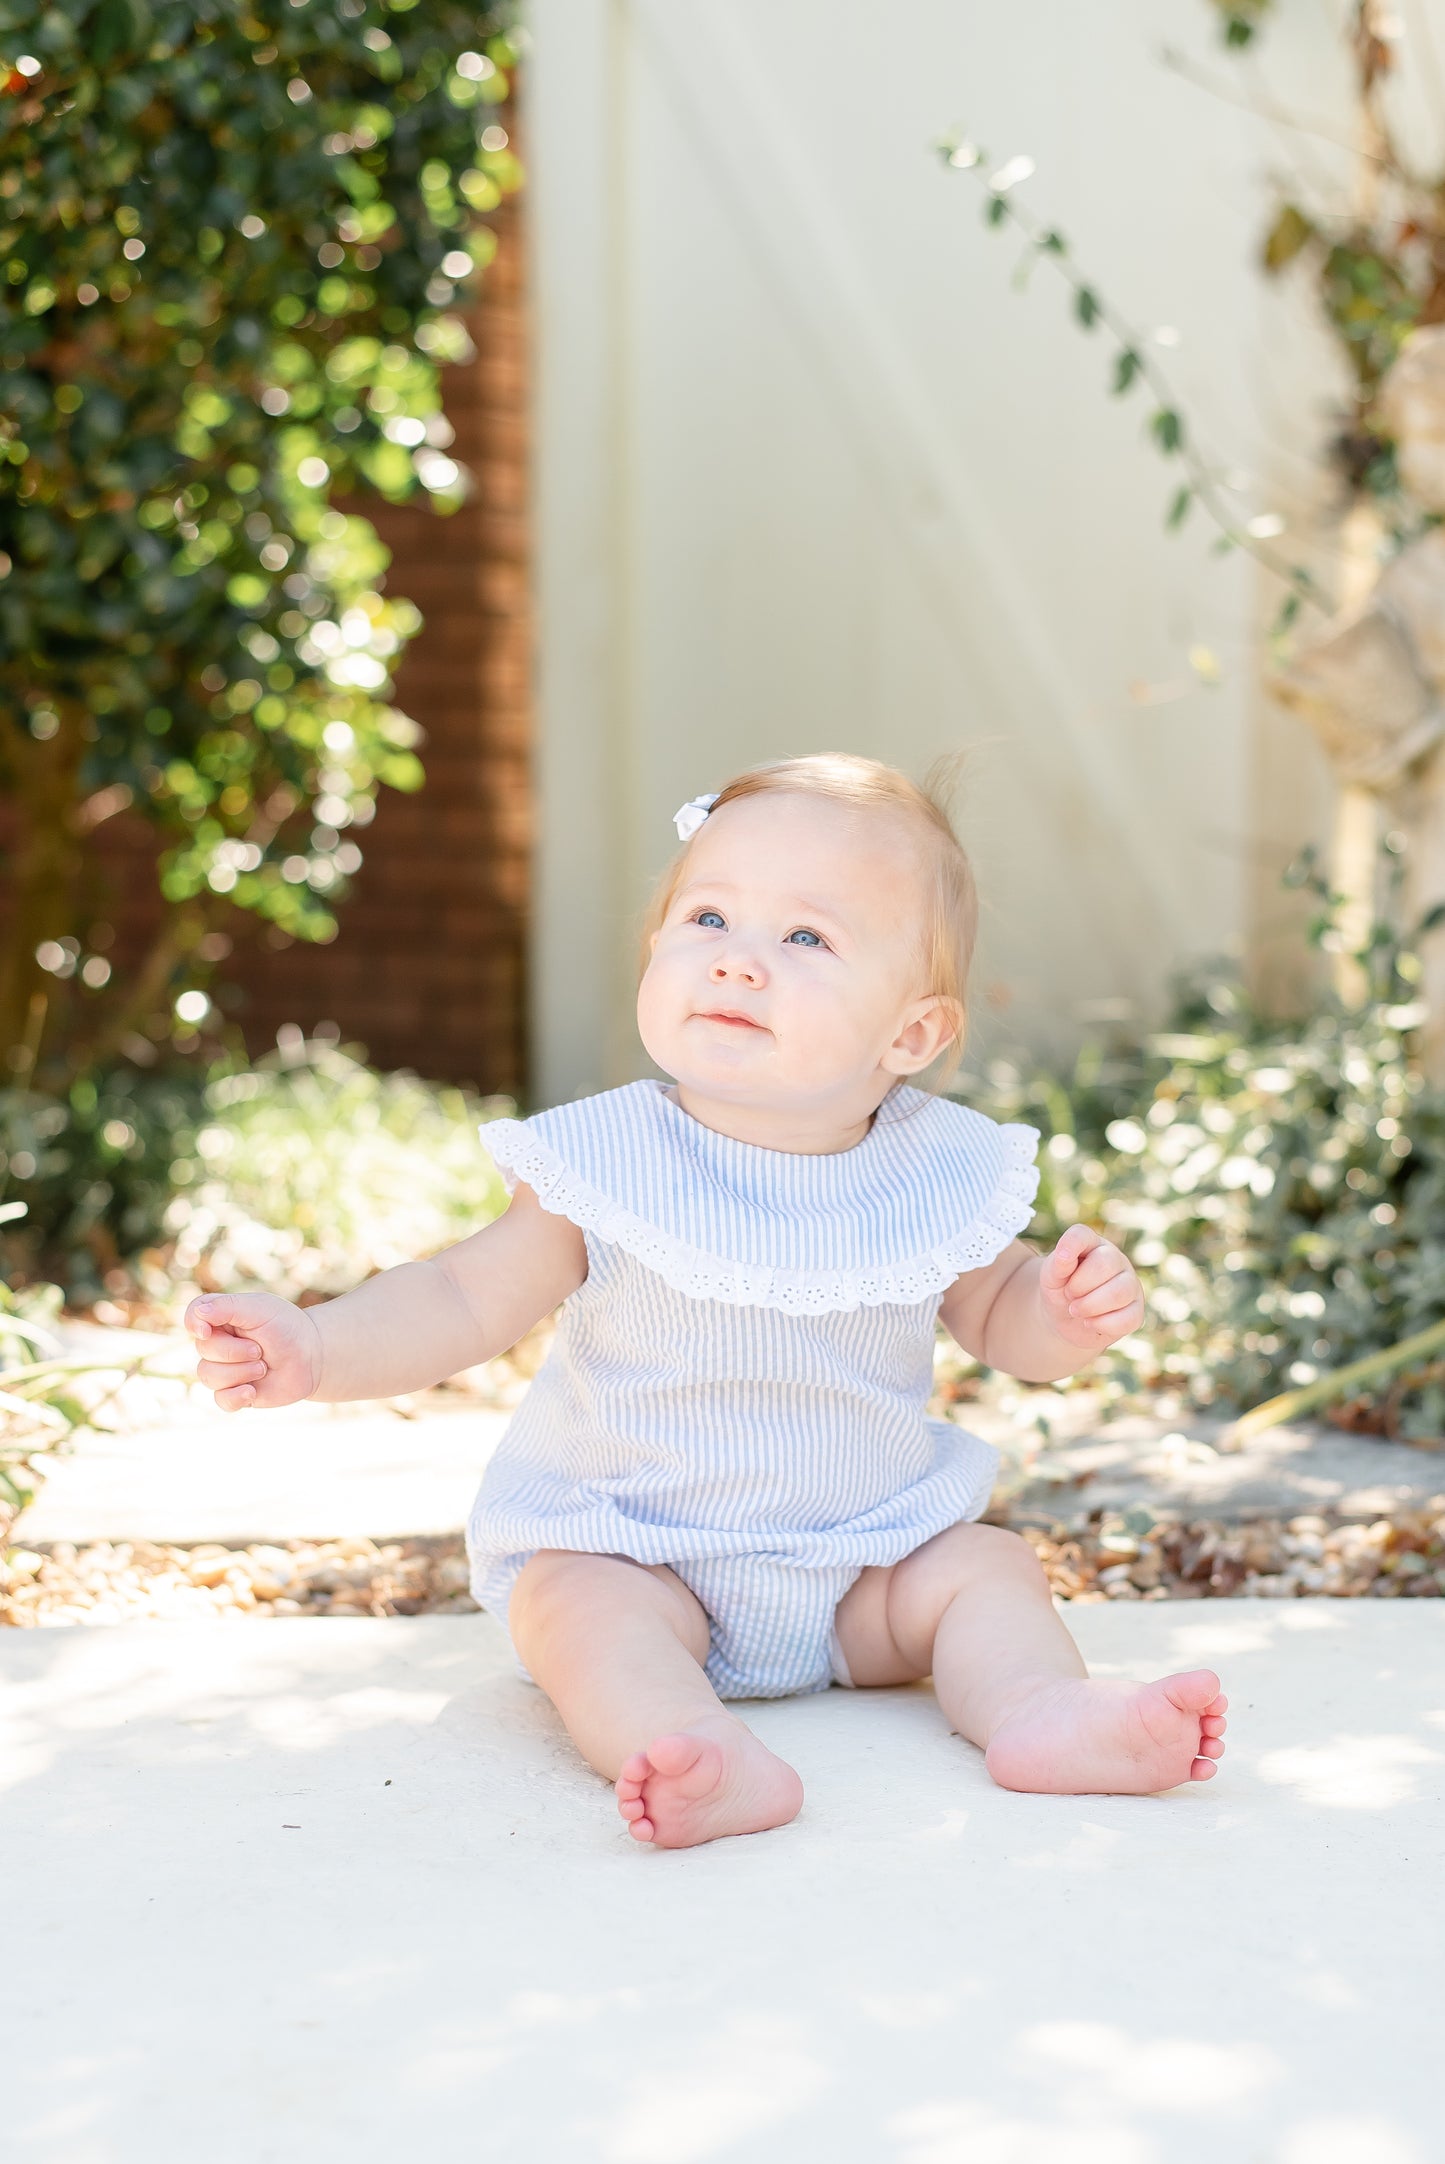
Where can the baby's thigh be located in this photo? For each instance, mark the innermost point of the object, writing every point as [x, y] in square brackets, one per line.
[561, 1590]
[865, 1639]
[889, 1617]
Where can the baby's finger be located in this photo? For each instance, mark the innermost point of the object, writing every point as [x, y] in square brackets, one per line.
[237, 1398]
[1067, 1255]
[208, 1312]
[1121, 1291]
[1097, 1267]
[237, 1350]
[213, 1376]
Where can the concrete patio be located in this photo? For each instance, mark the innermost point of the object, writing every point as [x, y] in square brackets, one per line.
[164, 1464]
[344, 1892]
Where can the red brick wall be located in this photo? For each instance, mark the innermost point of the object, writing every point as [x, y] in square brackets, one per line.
[428, 968]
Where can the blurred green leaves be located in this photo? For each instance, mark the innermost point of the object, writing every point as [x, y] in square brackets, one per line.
[303, 1174]
[1281, 1186]
[1240, 20]
[231, 238]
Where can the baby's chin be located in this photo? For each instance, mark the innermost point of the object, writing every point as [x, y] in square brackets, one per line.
[739, 1078]
[692, 1046]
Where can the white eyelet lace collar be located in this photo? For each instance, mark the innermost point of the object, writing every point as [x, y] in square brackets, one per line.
[933, 1189]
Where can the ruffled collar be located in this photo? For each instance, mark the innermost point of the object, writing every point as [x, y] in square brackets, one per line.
[931, 1190]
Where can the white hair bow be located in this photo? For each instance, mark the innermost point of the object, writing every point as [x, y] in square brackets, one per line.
[690, 818]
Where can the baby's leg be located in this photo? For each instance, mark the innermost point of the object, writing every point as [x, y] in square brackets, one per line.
[972, 1607]
[618, 1647]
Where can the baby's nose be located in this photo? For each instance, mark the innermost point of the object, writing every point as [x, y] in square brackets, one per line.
[740, 964]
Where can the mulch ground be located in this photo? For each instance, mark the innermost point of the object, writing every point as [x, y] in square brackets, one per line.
[1093, 1558]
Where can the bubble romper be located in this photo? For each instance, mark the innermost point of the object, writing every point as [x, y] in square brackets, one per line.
[737, 1390]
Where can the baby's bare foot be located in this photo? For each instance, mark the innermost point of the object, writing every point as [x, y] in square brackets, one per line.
[1090, 1736]
[712, 1779]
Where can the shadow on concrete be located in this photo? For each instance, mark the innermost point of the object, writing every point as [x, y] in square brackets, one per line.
[339, 1890]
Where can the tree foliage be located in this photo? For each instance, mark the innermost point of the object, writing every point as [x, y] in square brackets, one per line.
[1378, 260]
[231, 232]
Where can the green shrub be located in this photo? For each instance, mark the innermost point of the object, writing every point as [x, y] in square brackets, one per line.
[302, 1174]
[312, 1170]
[45, 1396]
[93, 1167]
[1281, 1188]
[229, 240]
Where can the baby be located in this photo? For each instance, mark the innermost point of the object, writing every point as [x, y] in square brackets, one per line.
[723, 1484]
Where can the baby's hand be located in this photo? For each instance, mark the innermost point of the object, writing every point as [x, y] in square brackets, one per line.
[1090, 1293]
[255, 1350]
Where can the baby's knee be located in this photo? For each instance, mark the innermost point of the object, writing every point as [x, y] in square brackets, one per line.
[975, 1551]
[925, 1582]
[559, 1590]
[552, 1587]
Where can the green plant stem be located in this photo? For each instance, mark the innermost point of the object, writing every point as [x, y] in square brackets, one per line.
[1047, 241]
[44, 1371]
[1294, 1404]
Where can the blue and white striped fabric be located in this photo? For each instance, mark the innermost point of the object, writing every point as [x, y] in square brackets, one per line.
[738, 1388]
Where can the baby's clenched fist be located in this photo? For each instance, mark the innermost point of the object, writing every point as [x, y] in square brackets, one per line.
[1090, 1292]
[255, 1350]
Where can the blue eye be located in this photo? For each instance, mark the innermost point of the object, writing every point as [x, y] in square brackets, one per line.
[803, 937]
[710, 920]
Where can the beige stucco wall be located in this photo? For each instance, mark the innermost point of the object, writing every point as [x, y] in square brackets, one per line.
[813, 473]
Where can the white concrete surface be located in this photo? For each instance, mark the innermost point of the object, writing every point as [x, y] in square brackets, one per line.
[167, 1465]
[170, 1467]
[342, 1892]
[175, 1469]
[313, 1472]
[1188, 1466]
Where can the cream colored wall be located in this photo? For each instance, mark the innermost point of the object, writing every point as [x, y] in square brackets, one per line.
[814, 474]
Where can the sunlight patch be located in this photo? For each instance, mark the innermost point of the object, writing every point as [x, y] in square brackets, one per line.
[1350, 1773]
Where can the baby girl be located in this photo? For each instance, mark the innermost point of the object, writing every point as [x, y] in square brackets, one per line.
[723, 1484]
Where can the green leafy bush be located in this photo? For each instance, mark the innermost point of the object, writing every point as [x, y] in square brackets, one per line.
[1281, 1188]
[229, 241]
[45, 1395]
[94, 1167]
[303, 1174]
[312, 1170]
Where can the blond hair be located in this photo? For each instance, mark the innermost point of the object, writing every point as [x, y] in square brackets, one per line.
[866, 785]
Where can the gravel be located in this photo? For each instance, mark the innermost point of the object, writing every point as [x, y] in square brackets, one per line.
[130, 1581]
[1138, 1556]
[1096, 1557]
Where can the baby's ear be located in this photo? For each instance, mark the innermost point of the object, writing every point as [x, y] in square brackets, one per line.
[933, 1025]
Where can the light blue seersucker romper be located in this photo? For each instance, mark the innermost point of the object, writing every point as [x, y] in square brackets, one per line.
[737, 1389]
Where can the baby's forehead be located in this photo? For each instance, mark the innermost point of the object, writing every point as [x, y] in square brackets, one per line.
[829, 829]
[805, 850]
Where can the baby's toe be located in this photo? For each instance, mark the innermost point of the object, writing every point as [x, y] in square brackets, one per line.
[632, 1807]
[635, 1771]
[1203, 1769]
[1211, 1747]
[1213, 1724]
[1194, 1691]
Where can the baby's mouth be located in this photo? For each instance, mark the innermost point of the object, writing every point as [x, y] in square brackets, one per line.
[731, 1017]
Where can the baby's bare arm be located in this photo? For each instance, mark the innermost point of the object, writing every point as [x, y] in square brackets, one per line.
[404, 1329]
[995, 1315]
[1042, 1317]
[415, 1325]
